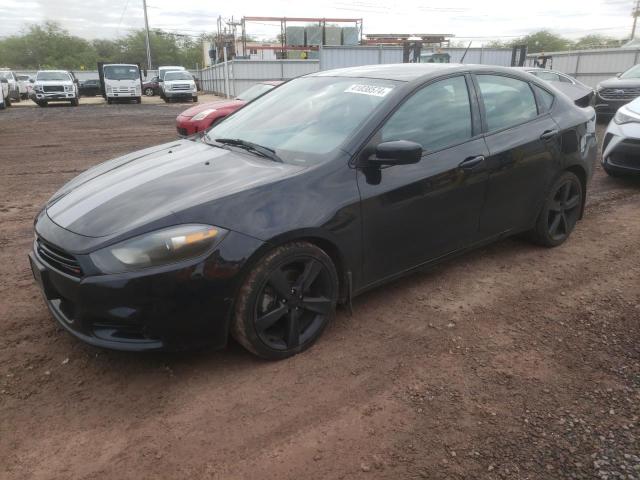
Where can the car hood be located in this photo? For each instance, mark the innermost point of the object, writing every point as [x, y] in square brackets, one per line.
[144, 187]
[616, 82]
[218, 105]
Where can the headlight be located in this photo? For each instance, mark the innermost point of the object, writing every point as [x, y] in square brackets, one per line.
[109, 88]
[162, 247]
[599, 87]
[37, 87]
[625, 116]
[203, 114]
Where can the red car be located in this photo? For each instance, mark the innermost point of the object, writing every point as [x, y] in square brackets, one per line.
[201, 117]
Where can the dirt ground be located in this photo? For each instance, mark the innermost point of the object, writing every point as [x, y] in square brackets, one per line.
[512, 362]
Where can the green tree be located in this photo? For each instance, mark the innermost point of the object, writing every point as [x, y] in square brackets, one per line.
[543, 41]
[597, 41]
[46, 46]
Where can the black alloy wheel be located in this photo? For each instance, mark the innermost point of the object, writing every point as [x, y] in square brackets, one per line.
[287, 301]
[561, 211]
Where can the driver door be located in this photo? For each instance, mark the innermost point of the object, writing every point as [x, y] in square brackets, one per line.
[416, 213]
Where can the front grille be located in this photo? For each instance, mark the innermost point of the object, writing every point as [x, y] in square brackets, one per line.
[186, 86]
[124, 90]
[53, 88]
[620, 93]
[58, 258]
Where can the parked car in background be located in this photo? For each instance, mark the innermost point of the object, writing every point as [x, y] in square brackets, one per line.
[581, 94]
[330, 185]
[615, 92]
[90, 88]
[162, 71]
[14, 87]
[24, 86]
[179, 85]
[55, 86]
[120, 81]
[199, 118]
[621, 144]
[5, 101]
[151, 87]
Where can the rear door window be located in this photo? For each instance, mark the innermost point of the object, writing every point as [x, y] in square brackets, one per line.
[507, 101]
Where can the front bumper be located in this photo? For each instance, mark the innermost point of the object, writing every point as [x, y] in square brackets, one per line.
[621, 148]
[180, 94]
[176, 307]
[52, 96]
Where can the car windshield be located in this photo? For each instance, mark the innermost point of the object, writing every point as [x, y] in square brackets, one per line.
[305, 119]
[254, 92]
[53, 77]
[121, 72]
[178, 76]
[6, 75]
[633, 72]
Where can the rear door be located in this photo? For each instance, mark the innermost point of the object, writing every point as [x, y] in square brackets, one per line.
[524, 154]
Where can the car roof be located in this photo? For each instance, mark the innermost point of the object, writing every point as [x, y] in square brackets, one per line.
[57, 71]
[407, 72]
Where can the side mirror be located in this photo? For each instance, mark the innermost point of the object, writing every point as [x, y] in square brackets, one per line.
[398, 152]
[31, 80]
[618, 75]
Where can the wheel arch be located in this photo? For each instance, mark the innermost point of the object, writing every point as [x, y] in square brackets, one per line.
[321, 240]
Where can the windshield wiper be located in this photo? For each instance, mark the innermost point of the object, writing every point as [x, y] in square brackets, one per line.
[251, 147]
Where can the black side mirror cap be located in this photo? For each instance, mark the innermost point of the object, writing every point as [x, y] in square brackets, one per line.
[397, 152]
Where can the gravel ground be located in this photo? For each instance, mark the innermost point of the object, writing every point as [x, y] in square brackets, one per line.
[511, 362]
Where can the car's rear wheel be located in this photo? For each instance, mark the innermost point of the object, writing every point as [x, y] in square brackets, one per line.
[286, 301]
[148, 92]
[560, 212]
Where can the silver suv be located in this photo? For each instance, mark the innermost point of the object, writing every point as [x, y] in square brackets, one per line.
[54, 86]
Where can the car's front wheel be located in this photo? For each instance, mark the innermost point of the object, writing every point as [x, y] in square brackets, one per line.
[560, 212]
[286, 301]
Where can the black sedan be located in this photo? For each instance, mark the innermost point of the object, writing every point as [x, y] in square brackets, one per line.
[90, 88]
[331, 185]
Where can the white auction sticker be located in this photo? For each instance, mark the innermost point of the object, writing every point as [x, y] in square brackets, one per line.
[369, 90]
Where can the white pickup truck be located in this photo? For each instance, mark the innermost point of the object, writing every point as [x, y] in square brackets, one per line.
[55, 86]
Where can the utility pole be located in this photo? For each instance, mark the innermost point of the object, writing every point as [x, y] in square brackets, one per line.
[636, 12]
[146, 26]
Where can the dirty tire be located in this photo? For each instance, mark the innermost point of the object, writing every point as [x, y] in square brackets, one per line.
[75, 102]
[286, 301]
[195, 99]
[7, 101]
[560, 212]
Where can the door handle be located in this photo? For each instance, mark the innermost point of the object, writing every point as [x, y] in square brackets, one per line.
[471, 162]
[549, 134]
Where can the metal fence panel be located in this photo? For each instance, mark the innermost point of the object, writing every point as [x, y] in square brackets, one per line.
[480, 56]
[592, 66]
[245, 73]
[354, 56]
